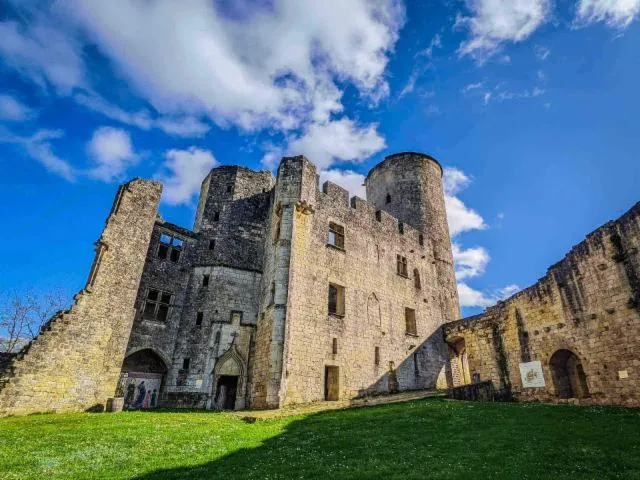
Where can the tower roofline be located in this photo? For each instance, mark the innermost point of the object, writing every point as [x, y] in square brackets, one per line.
[400, 154]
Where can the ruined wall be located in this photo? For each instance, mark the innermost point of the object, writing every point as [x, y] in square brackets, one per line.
[587, 304]
[375, 299]
[74, 363]
[227, 246]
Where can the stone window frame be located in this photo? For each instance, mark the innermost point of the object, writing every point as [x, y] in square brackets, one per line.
[154, 306]
[212, 245]
[186, 363]
[170, 247]
[205, 280]
[376, 356]
[334, 346]
[335, 238]
[402, 266]
[199, 319]
[411, 327]
[337, 308]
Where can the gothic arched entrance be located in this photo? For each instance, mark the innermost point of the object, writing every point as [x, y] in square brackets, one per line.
[229, 381]
[569, 378]
[143, 379]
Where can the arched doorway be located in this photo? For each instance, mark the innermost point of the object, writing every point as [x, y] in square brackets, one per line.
[459, 362]
[229, 381]
[143, 379]
[569, 378]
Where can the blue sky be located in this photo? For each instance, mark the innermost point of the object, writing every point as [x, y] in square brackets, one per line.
[531, 105]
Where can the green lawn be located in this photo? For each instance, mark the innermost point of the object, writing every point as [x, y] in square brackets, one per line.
[421, 439]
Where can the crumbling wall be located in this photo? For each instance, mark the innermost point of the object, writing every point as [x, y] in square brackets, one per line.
[74, 364]
[586, 304]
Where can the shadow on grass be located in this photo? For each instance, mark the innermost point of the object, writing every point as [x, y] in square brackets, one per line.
[439, 439]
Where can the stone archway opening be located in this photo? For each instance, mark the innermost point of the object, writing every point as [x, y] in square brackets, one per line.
[569, 378]
[143, 378]
[228, 383]
[459, 362]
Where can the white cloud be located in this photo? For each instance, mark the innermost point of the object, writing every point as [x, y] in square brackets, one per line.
[472, 86]
[185, 126]
[38, 147]
[542, 52]
[411, 83]
[469, 262]
[493, 23]
[460, 217]
[337, 141]
[436, 42]
[112, 152]
[271, 65]
[470, 297]
[473, 298]
[352, 181]
[615, 13]
[43, 53]
[182, 174]
[13, 110]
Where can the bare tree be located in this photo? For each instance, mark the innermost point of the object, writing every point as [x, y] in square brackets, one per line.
[22, 315]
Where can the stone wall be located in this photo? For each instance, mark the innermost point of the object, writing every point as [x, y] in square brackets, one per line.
[581, 321]
[75, 362]
[226, 245]
[296, 325]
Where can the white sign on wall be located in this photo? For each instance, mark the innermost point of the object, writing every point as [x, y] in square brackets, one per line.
[531, 374]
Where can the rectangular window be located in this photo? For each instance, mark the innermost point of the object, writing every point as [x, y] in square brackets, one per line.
[401, 265]
[377, 356]
[401, 227]
[186, 362]
[156, 305]
[334, 346]
[199, 318]
[170, 247]
[336, 235]
[216, 216]
[212, 244]
[205, 280]
[336, 300]
[410, 321]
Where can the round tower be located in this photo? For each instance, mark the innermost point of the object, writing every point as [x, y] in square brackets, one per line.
[408, 185]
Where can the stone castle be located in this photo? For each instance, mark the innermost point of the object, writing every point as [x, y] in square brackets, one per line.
[286, 293]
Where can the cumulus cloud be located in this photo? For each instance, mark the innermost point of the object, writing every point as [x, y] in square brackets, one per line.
[337, 141]
[461, 218]
[235, 68]
[182, 173]
[112, 152]
[492, 23]
[13, 110]
[469, 262]
[348, 179]
[615, 13]
[38, 146]
[470, 297]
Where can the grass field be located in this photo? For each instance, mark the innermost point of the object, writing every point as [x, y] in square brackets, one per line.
[421, 439]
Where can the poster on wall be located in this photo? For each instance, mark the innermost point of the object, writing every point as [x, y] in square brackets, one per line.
[141, 390]
[531, 374]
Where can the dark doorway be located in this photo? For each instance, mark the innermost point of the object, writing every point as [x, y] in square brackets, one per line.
[226, 392]
[331, 383]
[568, 375]
[142, 380]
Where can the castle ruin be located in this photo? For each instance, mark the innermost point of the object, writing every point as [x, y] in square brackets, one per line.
[284, 293]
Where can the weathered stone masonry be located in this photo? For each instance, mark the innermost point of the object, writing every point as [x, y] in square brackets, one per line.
[74, 364]
[284, 292]
[581, 321]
